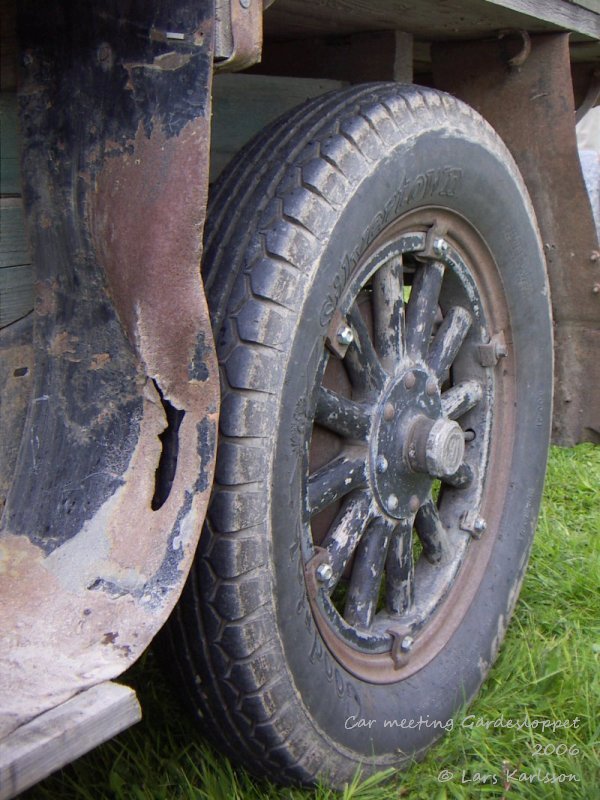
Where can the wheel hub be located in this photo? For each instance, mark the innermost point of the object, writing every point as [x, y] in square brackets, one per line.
[412, 443]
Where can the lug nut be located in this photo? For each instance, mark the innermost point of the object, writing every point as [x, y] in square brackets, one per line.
[324, 572]
[381, 464]
[392, 502]
[345, 335]
[406, 644]
[440, 246]
[472, 523]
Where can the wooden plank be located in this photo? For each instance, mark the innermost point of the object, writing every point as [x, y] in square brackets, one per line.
[359, 58]
[16, 276]
[10, 182]
[63, 734]
[428, 19]
[591, 5]
[567, 15]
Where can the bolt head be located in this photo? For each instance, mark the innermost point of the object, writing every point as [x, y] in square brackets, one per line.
[414, 504]
[392, 502]
[473, 523]
[388, 412]
[381, 464]
[431, 387]
[409, 380]
[245, 3]
[406, 644]
[480, 525]
[596, 288]
[345, 335]
[440, 246]
[324, 572]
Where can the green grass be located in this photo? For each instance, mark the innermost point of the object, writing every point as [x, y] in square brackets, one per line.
[548, 669]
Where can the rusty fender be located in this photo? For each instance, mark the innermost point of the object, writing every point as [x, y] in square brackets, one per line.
[112, 477]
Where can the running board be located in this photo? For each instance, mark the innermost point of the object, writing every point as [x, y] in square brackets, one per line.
[64, 733]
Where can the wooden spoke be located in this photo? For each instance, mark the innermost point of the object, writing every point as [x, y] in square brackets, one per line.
[341, 415]
[388, 313]
[432, 533]
[335, 480]
[364, 368]
[367, 572]
[422, 308]
[448, 340]
[346, 531]
[461, 398]
[399, 570]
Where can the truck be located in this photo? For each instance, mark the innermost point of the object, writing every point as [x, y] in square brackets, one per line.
[301, 293]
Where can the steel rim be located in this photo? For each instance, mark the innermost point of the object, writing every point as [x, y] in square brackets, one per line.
[406, 417]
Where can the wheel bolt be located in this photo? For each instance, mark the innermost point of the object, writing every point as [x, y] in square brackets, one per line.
[431, 387]
[440, 246]
[345, 335]
[381, 464]
[406, 644]
[392, 502]
[480, 525]
[472, 523]
[324, 572]
[414, 504]
[388, 412]
[410, 380]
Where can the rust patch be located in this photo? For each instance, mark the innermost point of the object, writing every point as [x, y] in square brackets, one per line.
[151, 250]
[99, 360]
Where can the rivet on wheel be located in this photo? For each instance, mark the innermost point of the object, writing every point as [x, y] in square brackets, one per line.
[472, 523]
[324, 572]
[345, 335]
[381, 464]
[407, 643]
[440, 246]
[409, 380]
[414, 504]
[392, 502]
[388, 412]
[431, 387]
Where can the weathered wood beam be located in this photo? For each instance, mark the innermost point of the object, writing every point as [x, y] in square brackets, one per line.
[359, 58]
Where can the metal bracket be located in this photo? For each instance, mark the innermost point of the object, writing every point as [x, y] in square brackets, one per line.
[521, 57]
[491, 352]
[402, 643]
[313, 584]
[238, 34]
[334, 342]
[435, 245]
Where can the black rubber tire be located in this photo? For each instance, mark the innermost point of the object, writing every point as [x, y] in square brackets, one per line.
[313, 186]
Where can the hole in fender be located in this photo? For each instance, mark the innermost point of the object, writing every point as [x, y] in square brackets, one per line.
[167, 464]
